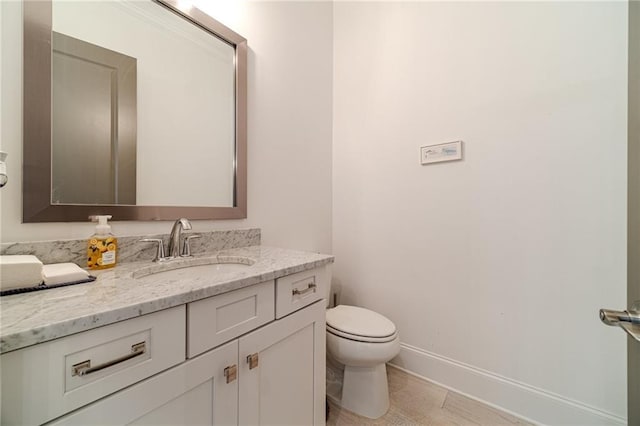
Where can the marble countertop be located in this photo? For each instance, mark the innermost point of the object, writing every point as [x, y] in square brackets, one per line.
[37, 317]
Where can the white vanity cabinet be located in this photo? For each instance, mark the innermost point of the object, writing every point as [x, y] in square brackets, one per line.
[282, 371]
[232, 363]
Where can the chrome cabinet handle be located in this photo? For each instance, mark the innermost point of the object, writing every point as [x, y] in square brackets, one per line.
[252, 360]
[231, 373]
[629, 320]
[310, 287]
[84, 368]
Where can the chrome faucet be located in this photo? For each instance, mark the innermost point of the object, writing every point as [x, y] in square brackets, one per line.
[173, 248]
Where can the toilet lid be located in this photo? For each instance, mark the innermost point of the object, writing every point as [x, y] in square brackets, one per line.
[359, 322]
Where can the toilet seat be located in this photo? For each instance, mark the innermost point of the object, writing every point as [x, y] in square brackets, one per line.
[364, 339]
[359, 324]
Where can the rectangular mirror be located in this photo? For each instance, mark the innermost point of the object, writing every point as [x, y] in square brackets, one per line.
[132, 108]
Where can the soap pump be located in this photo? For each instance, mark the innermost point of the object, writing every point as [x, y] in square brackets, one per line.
[102, 246]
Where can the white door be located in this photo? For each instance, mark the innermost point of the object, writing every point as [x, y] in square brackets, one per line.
[629, 320]
[282, 371]
[633, 233]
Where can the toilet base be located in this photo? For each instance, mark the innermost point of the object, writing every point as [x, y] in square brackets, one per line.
[365, 391]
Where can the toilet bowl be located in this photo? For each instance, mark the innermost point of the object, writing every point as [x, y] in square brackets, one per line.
[363, 341]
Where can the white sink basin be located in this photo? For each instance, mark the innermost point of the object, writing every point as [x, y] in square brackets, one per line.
[194, 267]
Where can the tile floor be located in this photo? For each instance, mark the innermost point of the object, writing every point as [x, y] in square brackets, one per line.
[417, 402]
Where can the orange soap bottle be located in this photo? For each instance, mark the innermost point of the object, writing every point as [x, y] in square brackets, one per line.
[102, 247]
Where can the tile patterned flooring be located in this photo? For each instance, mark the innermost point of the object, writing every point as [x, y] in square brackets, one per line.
[417, 402]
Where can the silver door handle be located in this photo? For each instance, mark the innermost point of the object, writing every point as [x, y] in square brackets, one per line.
[629, 320]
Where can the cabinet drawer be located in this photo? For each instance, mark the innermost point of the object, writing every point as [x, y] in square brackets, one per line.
[296, 291]
[216, 320]
[47, 380]
[196, 392]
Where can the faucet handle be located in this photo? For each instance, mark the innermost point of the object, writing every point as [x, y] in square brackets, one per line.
[186, 248]
[160, 251]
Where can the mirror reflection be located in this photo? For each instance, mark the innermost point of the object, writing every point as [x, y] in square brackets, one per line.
[93, 127]
[143, 107]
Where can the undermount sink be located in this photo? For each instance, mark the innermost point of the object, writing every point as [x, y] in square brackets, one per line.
[194, 267]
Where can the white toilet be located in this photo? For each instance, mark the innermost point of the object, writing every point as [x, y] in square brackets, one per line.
[363, 341]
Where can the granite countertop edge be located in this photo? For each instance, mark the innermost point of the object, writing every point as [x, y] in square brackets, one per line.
[32, 318]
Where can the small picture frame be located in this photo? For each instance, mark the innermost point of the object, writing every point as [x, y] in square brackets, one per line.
[449, 151]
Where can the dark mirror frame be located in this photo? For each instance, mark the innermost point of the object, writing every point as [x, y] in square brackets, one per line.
[36, 171]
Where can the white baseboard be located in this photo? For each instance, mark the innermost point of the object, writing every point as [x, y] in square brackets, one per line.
[522, 400]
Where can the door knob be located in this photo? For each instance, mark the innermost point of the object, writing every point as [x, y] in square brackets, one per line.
[628, 320]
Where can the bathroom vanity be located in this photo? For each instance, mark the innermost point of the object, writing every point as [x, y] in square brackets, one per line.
[195, 342]
[232, 336]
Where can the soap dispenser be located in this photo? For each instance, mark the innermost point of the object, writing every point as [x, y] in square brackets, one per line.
[102, 246]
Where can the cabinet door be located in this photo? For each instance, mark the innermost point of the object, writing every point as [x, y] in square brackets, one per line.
[282, 368]
[193, 393]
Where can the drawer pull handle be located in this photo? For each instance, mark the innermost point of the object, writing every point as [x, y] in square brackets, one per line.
[252, 360]
[231, 373]
[83, 368]
[310, 287]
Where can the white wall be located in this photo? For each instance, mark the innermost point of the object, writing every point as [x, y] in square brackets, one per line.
[290, 91]
[494, 267]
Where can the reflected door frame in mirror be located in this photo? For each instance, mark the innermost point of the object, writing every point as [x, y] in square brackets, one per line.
[36, 182]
